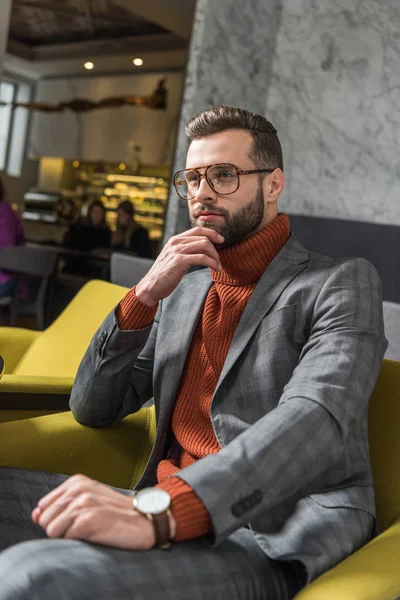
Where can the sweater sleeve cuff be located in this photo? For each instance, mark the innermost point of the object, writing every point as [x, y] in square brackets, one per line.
[133, 314]
[190, 514]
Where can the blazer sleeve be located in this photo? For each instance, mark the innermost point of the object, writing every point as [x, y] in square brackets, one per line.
[283, 452]
[115, 376]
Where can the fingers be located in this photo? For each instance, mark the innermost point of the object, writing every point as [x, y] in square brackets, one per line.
[211, 234]
[35, 515]
[203, 260]
[76, 482]
[197, 245]
[55, 511]
[190, 248]
[60, 523]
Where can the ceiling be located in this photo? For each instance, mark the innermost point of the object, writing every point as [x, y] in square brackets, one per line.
[43, 22]
[47, 37]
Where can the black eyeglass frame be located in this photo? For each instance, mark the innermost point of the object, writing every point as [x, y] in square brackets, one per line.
[239, 172]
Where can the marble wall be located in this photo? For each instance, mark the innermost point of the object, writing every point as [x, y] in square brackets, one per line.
[327, 74]
[230, 62]
[334, 97]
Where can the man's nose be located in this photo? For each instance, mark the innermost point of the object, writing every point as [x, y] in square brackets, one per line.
[205, 192]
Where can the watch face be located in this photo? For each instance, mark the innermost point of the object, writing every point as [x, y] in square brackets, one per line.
[153, 501]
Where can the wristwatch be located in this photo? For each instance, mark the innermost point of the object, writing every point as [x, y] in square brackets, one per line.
[154, 504]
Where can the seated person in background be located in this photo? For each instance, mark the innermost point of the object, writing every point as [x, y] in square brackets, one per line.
[91, 232]
[86, 235]
[129, 234]
[11, 234]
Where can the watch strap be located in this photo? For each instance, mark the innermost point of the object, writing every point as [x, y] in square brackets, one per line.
[161, 529]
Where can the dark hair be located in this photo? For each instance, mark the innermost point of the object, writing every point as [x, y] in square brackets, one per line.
[127, 207]
[2, 190]
[100, 205]
[266, 150]
[122, 236]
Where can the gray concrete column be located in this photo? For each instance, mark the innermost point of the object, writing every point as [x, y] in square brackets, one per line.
[230, 62]
[5, 12]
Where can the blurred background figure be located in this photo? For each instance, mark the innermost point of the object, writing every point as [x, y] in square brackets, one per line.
[89, 232]
[11, 234]
[129, 235]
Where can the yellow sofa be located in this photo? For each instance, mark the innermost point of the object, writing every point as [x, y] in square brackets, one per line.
[117, 455]
[40, 366]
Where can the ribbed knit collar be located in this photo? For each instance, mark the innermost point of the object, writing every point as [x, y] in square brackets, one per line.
[245, 262]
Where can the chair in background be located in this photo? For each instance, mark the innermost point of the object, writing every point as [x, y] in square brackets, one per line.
[40, 366]
[116, 455]
[128, 270]
[391, 318]
[40, 266]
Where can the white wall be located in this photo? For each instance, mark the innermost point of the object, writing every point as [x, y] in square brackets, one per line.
[105, 134]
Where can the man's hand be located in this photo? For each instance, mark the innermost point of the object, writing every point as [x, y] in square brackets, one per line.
[193, 247]
[83, 509]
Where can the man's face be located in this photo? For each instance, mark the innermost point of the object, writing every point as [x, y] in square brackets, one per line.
[239, 215]
[123, 218]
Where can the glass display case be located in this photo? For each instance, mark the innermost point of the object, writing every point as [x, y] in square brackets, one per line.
[48, 213]
[148, 195]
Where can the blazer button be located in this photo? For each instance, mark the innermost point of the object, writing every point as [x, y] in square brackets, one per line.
[257, 497]
[238, 510]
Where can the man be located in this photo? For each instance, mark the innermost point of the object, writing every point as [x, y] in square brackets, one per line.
[261, 366]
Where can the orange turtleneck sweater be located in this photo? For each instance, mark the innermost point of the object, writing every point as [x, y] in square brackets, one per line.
[243, 265]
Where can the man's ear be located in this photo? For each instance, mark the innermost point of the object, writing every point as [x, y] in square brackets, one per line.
[273, 185]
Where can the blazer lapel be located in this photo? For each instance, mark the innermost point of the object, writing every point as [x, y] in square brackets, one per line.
[288, 263]
[173, 344]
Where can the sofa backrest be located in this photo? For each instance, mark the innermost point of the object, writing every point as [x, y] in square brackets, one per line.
[58, 350]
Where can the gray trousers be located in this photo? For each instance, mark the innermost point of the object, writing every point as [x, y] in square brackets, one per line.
[33, 567]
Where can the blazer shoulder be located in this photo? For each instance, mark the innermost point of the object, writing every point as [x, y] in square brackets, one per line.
[343, 263]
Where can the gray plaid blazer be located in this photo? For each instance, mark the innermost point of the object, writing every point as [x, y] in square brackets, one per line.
[289, 410]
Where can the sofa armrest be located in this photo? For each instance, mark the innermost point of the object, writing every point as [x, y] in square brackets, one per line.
[371, 573]
[28, 392]
[14, 342]
[115, 455]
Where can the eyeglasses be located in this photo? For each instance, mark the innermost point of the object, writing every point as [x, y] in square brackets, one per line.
[222, 178]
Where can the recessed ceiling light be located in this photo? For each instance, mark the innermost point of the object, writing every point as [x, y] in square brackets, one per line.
[137, 62]
[89, 66]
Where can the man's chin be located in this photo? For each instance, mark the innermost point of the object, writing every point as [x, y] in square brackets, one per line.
[212, 225]
[207, 224]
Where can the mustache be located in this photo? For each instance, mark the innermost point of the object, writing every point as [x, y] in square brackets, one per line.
[222, 212]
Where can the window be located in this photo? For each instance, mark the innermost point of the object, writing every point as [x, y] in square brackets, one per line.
[13, 125]
[7, 94]
[18, 132]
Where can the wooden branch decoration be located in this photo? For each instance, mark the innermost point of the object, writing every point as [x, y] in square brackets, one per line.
[157, 100]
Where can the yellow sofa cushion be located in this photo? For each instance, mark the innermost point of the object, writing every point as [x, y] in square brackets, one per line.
[372, 573]
[384, 442]
[14, 343]
[115, 455]
[58, 350]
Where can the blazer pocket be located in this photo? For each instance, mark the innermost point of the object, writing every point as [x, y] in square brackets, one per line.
[278, 318]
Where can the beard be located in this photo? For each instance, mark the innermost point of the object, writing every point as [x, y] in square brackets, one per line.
[239, 225]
